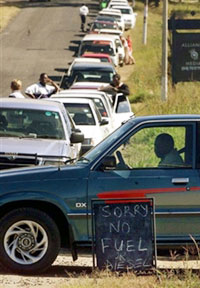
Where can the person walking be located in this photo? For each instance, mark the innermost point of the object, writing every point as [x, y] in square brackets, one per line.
[16, 86]
[83, 14]
[131, 59]
[42, 89]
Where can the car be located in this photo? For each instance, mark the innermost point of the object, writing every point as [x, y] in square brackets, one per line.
[98, 25]
[114, 3]
[79, 60]
[102, 56]
[36, 132]
[116, 14]
[103, 43]
[100, 72]
[46, 208]
[100, 99]
[128, 15]
[88, 119]
[119, 110]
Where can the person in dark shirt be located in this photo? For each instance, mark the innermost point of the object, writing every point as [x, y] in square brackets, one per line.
[115, 87]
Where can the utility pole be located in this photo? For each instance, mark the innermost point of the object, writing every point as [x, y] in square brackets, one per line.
[145, 22]
[164, 82]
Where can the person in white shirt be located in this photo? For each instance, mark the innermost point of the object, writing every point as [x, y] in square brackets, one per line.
[83, 14]
[42, 89]
[16, 86]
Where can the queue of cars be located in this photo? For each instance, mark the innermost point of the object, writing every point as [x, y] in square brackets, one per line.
[50, 133]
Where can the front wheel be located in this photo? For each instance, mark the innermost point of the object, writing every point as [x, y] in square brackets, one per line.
[29, 241]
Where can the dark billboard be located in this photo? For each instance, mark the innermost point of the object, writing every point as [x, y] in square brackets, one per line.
[186, 57]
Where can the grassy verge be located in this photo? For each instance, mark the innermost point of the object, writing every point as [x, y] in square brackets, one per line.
[107, 280]
[145, 78]
[6, 14]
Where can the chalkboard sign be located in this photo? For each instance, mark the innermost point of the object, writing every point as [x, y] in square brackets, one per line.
[123, 234]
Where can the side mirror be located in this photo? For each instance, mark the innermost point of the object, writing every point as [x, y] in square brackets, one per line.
[104, 122]
[76, 137]
[109, 162]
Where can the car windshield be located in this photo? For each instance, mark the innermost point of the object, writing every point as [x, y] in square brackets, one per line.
[80, 113]
[103, 25]
[25, 123]
[91, 76]
[97, 47]
[125, 10]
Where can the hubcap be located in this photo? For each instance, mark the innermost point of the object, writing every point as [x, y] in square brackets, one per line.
[26, 242]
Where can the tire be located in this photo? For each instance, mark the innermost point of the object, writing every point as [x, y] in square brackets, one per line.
[29, 241]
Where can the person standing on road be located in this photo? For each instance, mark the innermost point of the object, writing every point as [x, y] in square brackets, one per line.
[16, 86]
[83, 14]
[42, 89]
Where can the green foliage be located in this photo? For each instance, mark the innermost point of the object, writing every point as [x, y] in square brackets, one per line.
[145, 79]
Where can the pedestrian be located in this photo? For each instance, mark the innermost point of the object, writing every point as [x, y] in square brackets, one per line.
[126, 52]
[16, 86]
[83, 14]
[115, 87]
[131, 59]
[42, 89]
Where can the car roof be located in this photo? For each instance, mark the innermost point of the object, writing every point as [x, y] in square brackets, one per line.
[108, 10]
[91, 65]
[122, 7]
[82, 59]
[78, 93]
[75, 100]
[91, 37]
[33, 104]
[168, 117]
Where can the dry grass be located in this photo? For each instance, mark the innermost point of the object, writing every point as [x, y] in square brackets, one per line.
[6, 14]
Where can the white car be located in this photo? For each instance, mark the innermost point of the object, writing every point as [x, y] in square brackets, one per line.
[109, 44]
[121, 108]
[87, 118]
[128, 15]
[36, 132]
[117, 2]
[116, 14]
[102, 102]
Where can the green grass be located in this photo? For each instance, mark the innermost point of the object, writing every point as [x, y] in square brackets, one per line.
[145, 80]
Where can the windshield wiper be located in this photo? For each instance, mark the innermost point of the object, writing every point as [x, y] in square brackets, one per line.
[84, 159]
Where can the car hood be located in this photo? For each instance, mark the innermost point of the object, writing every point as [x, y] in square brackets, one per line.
[33, 146]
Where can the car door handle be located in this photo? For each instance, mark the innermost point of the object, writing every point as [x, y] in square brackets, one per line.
[180, 180]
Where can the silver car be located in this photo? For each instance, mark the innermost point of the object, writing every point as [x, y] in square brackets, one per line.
[36, 132]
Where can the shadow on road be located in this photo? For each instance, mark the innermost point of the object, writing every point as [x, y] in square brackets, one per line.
[59, 271]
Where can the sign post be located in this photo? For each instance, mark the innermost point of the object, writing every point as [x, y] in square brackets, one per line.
[124, 234]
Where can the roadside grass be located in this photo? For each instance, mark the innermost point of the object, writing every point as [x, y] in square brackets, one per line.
[6, 14]
[169, 279]
[145, 78]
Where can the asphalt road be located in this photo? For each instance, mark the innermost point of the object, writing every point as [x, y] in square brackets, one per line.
[42, 38]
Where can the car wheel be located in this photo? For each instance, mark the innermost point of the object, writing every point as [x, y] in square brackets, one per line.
[29, 241]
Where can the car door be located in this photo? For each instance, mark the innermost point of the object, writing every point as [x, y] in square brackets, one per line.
[137, 172]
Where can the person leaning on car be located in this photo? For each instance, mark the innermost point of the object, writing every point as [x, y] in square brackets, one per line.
[115, 87]
[42, 89]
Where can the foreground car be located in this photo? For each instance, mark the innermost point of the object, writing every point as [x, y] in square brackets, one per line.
[36, 132]
[45, 208]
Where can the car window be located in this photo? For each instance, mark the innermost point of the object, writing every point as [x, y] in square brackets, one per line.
[99, 104]
[32, 124]
[165, 147]
[122, 104]
[91, 76]
[80, 113]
